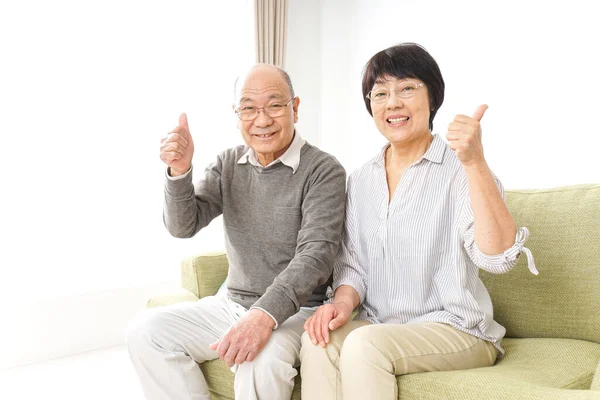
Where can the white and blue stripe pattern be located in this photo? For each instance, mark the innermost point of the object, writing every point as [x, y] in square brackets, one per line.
[415, 259]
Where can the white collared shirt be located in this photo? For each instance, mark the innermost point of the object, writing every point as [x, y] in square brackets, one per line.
[290, 158]
[415, 259]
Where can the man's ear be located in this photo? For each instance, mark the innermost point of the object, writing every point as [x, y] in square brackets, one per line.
[296, 104]
[237, 119]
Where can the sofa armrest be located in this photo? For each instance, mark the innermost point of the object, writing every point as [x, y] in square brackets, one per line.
[596, 381]
[203, 274]
[173, 296]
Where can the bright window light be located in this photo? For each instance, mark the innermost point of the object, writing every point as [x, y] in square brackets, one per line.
[87, 89]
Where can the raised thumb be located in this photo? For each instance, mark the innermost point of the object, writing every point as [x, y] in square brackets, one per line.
[183, 122]
[478, 114]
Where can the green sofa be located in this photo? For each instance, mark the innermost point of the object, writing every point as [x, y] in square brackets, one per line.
[552, 320]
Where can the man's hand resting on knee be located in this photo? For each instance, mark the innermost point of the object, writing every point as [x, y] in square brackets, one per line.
[244, 340]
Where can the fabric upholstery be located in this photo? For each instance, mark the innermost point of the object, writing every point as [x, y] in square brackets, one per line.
[220, 381]
[203, 274]
[531, 369]
[171, 297]
[596, 381]
[563, 301]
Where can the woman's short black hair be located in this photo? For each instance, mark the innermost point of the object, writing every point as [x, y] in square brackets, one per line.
[406, 60]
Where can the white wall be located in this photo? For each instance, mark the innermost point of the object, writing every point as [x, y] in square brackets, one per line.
[303, 63]
[533, 62]
[42, 329]
[87, 91]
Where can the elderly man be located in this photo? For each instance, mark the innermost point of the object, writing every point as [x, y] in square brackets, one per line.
[282, 201]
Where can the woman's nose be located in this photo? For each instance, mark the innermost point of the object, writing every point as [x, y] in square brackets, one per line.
[394, 101]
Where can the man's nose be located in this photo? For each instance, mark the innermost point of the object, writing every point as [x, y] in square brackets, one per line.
[262, 119]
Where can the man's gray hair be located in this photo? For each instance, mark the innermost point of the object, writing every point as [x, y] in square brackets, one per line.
[285, 75]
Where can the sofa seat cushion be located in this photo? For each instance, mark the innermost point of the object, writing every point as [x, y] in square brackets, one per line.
[173, 296]
[596, 381]
[540, 369]
[532, 369]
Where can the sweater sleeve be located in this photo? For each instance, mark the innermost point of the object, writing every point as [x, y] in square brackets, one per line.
[317, 243]
[189, 208]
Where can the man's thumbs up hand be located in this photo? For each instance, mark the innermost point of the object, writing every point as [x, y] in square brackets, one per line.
[177, 148]
[183, 123]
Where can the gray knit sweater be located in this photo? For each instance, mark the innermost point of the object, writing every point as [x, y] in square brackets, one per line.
[282, 229]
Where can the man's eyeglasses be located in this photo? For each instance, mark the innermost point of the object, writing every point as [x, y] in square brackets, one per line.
[405, 90]
[248, 113]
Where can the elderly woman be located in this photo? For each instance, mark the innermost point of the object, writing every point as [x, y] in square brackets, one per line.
[422, 217]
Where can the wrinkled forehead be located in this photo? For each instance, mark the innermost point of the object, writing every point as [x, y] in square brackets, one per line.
[261, 84]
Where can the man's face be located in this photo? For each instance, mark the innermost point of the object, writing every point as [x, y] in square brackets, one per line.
[264, 87]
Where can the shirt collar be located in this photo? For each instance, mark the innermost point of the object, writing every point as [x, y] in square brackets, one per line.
[290, 158]
[435, 152]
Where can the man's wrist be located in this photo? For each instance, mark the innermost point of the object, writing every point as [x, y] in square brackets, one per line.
[175, 172]
[263, 315]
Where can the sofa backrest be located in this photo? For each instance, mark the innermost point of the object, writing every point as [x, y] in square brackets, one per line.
[563, 301]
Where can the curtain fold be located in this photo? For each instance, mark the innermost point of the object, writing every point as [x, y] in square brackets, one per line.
[270, 21]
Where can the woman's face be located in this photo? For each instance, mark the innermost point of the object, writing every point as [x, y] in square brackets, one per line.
[400, 108]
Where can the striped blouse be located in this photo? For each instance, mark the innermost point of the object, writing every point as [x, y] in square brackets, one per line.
[415, 259]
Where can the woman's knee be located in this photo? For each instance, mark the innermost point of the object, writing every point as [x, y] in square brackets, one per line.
[308, 350]
[305, 340]
[360, 347]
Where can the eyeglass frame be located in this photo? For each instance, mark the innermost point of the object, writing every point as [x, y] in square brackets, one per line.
[264, 110]
[417, 86]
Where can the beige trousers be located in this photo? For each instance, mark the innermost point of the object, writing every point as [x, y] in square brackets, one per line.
[362, 361]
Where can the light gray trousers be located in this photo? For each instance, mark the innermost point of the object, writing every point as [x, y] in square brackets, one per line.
[166, 343]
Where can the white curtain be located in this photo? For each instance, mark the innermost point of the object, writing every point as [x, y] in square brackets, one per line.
[270, 19]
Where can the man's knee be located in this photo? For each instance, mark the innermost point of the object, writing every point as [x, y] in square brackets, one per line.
[267, 369]
[268, 376]
[147, 329]
[280, 353]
